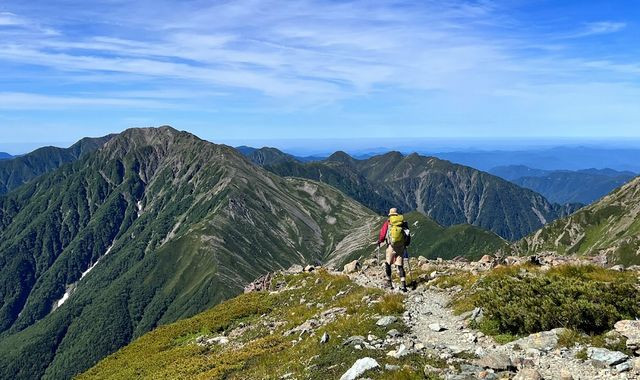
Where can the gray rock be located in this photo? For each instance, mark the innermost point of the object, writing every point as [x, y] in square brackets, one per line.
[528, 374]
[623, 367]
[386, 321]
[476, 314]
[356, 339]
[436, 327]
[544, 341]
[359, 367]
[391, 367]
[603, 358]
[394, 333]
[352, 267]
[630, 330]
[495, 360]
[400, 352]
[296, 268]
[325, 338]
[309, 268]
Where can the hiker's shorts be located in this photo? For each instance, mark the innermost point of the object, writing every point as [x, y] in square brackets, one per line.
[394, 254]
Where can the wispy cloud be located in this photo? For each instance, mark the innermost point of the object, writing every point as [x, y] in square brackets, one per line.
[595, 29]
[307, 53]
[19, 100]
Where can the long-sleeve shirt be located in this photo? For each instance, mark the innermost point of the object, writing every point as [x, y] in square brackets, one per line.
[383, 232]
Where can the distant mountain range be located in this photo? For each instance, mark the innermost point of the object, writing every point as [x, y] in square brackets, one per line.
[19, 170]
[558, 158]
[609, 227]
[565, 186]
[449, 193]
[5, 156]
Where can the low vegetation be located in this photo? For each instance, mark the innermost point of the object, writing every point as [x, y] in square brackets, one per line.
[255, 324]
[522, 300]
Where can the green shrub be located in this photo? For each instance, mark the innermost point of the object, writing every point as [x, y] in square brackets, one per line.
[586, 299]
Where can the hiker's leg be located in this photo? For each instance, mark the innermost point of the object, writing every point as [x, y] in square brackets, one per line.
[387, 264]
[403, 279]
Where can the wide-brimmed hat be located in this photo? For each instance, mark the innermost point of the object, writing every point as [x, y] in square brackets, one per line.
[393, 212]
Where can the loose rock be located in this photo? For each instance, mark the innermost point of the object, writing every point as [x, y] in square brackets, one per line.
[528, 374]
[352, 267]
[386, 321]
[359, 367]
[603, 358]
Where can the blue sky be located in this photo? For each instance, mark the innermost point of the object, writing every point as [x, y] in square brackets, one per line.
[265, 69]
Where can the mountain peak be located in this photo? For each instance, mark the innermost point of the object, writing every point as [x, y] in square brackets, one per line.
[340, 156]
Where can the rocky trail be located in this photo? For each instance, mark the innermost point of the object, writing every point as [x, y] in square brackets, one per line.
[437, 332]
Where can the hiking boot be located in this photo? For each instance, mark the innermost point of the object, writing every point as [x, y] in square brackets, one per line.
[403, 289]
[388, 285]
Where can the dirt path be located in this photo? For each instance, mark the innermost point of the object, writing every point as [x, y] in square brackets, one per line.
[436, 330]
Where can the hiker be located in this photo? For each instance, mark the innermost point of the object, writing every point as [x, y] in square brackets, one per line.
[395, 232]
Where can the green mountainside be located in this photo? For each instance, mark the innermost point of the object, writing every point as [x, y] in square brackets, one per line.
[155, 226]
[609, 227]
[451, 194]
[431, 240]
[19, 170]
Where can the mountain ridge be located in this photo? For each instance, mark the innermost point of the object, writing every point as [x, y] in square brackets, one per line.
[449, 193]
[172, 224]
[19, 170]
[609, 228]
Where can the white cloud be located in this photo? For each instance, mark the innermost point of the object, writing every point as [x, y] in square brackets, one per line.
[308, 52]
[596, 28]
[20, 100]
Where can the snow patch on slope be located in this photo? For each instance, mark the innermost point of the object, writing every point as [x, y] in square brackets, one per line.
[71, 288]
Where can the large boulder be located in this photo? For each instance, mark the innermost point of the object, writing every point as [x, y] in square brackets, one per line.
[359, 367]
[495, 360]
[631, 330]
[543, 341]
[603, 358]
[352, 267]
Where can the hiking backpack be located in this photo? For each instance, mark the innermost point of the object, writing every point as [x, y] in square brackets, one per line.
[395, 232]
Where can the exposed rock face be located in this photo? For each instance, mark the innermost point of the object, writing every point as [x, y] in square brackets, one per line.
[609, 228]
[259, 285]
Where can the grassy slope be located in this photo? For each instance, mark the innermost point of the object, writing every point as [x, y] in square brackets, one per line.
[432, 240]
[255, 352]
[610, 226]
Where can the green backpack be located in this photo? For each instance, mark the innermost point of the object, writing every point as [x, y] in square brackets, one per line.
[395, 233]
